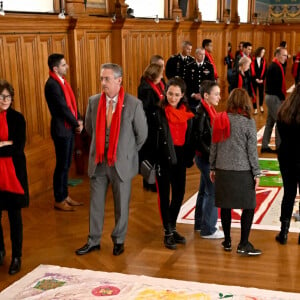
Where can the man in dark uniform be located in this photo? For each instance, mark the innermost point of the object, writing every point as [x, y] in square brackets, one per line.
[197, 71]
[176, 64]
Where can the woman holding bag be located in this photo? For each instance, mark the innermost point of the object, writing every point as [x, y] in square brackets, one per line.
[170, 145]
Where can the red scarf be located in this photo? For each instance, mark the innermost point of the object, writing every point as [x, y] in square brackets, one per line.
[69, 95]
[283, 86]
[240, 85]
[177, 120]
[296, 65]
[211, 60]
[221, 128]
[114, 130]
[263, 63]
[9, 181]
[211, 111]
[157, 88]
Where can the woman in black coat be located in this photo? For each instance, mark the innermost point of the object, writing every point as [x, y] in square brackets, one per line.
[288, 124]
[170, 144]
[151, 92]
[13, 184]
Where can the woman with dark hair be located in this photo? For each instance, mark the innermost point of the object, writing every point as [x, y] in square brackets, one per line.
[258, 68]
[234, 167]
[288, 125]
[170, 145]
[13, 183]
[151, 92]
[206, 213]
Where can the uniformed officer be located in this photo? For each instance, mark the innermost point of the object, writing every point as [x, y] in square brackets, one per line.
[197, 72]
[177, 64]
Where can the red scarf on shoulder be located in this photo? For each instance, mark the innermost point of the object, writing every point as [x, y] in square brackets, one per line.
[296, 65]
[221, 128]
[9, 181]
[157, 88]
[69, 95]
[210, 58]
[177, 120]
[283, 86]
[114, 130]
[211, 111]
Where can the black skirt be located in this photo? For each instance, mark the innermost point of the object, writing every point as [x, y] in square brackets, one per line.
[235, 189]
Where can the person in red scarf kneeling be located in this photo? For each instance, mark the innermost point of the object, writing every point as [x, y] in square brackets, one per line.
[65, 121]
[171, 136]
[13, 184]
[118, 128]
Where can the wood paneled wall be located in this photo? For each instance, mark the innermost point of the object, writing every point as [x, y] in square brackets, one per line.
[87, 42]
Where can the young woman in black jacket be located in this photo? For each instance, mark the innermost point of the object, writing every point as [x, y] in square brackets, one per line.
[170, 144]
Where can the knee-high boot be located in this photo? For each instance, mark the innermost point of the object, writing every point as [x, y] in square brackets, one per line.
[283, 234]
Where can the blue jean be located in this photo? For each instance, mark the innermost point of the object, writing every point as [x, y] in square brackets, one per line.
[206, 213]
[63, 151]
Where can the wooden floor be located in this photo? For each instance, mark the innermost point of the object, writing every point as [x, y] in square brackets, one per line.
[51, 237]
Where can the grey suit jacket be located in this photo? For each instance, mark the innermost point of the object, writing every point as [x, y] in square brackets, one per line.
[133, 133]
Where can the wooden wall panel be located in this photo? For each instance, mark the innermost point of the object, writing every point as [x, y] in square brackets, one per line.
[87, 42]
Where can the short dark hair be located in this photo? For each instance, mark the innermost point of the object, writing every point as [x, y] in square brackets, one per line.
[5, 85]
[206, 42]
[54, 60]
[247, 44]
[207, 86]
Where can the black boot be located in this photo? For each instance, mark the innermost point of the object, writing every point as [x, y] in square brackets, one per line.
[283, 234]
[15, 265]
[2, 254]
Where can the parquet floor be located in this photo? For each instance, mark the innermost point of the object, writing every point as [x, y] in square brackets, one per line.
[51, 237]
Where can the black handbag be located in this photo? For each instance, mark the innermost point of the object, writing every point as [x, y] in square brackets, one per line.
[148, 171]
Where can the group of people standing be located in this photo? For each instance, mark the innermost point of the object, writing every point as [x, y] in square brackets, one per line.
[171, 124]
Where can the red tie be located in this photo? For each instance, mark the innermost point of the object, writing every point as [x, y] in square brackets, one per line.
[109, 113]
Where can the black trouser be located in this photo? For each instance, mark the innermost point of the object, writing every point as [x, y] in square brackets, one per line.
[291, 179]
[246, 222]
[171, 180]
[16, 232]
[261, 94]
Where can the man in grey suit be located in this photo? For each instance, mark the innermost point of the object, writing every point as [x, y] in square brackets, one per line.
[118, 128]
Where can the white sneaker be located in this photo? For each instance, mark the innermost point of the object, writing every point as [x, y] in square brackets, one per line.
[219, 234]
[255, 111]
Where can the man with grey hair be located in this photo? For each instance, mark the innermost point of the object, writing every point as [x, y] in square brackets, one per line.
[177, 64]
[118, 128]
[197, 71]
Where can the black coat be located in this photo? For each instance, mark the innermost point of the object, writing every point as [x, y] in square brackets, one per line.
[162, 146]
[59, 110]
[177, 67]
[17, 134]
[202, 132]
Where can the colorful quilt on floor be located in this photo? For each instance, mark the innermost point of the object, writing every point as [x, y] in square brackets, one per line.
[268, 198]
[53, 282]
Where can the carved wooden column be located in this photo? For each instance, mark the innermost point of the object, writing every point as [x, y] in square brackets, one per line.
[74, 7]
[121, 9]
[234, 16]
[176, 11]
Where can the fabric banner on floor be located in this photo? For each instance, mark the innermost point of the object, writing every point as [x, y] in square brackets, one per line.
[53, 282]
[268, 198]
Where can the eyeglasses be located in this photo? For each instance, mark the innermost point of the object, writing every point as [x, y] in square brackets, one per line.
[5, 97]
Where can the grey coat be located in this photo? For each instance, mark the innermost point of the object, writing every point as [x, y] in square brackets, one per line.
[239, 152]
[133, 133]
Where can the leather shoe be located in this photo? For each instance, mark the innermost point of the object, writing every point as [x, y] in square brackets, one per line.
[2, 254]
[63, 206]
[86, 249]
[15, 265]
[267, 150]
[118, 249]
[72, 202]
